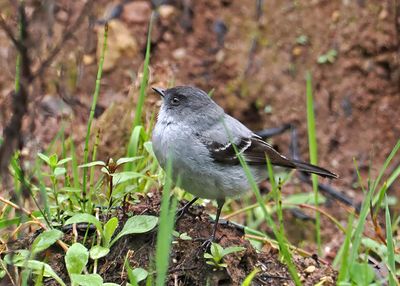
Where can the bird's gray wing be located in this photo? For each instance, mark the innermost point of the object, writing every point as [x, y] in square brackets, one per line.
[220, 137]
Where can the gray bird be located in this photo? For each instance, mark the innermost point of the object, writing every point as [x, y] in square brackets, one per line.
[198, 136]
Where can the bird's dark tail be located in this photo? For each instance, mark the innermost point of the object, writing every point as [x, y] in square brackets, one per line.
[309, 168]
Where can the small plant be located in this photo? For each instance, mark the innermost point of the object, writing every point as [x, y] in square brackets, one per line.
[302, 40]
[217, 253]
[110, 170]
[328, 58]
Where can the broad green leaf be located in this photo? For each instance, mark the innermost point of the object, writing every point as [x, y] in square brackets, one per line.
[111, 284]
[140, 274]
[63, 161]
[88, 218]
[58, 171]
[124, 160]
[87, 279]
[137, 224]
[97, 252]
[91, 164]
[76, 258]
[44, 158]
[109, 229]
[362, 273]
[45, 240]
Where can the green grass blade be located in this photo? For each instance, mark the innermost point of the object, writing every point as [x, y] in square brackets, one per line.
[145, 79]
[361, 222]
[281, 239]
[92, 110]
[165, 229]
[312, 141]
[344, 251]
[390, 246]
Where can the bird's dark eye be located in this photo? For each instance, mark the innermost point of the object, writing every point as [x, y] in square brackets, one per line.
[175, 101]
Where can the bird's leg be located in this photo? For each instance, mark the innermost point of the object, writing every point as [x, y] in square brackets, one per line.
[183, 210]
[206, 245]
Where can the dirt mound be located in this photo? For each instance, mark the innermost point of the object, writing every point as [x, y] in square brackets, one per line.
[187, 265]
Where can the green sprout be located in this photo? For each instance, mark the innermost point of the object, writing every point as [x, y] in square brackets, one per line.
[217, 253]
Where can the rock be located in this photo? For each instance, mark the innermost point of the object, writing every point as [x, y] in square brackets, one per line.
[137, 12]
[120, 43]
[166, 12]
[179, 53]
[310, 269]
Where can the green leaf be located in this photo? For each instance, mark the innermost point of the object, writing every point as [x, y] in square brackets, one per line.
[109, 229]
[76, 258]
[137, 224]
[231, 249]
[87, 279]
[70, 190]
[63, 161]
[303, 198]
[88, 218]
[97, 252]
[122, 177]
[390, 246]
[7, 222]
[111, 284]
[140, 274]
[45, 240]
[250, 277]
[124, 160]
[362, 273]
[44, 158]
[58, 171]
[148, 146]
[53, 160]
[91, 164]
[17, 258]
[41, 267]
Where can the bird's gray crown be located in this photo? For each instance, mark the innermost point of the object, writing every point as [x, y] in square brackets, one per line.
[187, 103]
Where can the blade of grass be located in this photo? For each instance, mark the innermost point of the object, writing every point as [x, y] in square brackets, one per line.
[312, 141]
[145, 78]
[357, 235]
[91, 116]
[344, 251]
[390, 245]
[383, 169]
[165, 229]
[281, 240]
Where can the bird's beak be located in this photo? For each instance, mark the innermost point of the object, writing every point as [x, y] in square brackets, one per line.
[160, 91]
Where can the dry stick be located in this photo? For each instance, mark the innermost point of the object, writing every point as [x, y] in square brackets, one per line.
[300, 251]
[29, 214]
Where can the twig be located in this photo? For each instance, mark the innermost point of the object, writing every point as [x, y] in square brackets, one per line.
[300, 251]
[29, 214]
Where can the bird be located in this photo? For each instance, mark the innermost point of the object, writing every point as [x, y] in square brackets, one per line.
[204, 145]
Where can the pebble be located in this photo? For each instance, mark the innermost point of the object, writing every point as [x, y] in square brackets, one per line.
[310, 269]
